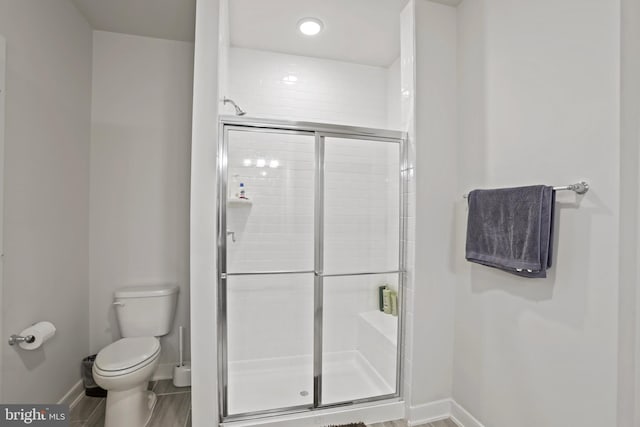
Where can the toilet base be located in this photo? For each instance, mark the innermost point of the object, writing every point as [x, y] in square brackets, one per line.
[129, 408]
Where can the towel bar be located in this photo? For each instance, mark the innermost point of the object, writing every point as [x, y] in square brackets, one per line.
[580, 188]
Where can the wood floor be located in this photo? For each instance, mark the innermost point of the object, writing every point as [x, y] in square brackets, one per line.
[443, 423]
[173, 409]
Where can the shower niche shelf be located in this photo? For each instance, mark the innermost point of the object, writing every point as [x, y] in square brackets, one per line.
[237, 202]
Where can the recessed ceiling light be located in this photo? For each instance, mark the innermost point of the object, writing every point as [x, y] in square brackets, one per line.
[310, 26]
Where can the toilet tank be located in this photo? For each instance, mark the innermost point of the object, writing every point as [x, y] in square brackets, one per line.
[145, 310]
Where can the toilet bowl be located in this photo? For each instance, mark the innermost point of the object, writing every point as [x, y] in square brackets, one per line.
[124, 367]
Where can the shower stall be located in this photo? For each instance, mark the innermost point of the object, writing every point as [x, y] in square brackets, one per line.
[311, 243]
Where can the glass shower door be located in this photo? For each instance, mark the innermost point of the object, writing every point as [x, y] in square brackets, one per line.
[360, 268]
[269, 270]
[310, 266]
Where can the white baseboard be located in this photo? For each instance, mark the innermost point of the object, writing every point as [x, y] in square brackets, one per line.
[73, 396]
[462, 417]
[164, 371]
[429, 412]
[440, 410]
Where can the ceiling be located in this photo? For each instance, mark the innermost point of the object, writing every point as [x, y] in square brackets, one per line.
[165, 19]
[361, 31]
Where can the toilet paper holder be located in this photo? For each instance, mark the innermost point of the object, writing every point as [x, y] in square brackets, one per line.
[15, 339]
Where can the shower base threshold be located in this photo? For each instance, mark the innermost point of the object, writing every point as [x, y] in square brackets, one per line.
[368, 413]
[265, 384]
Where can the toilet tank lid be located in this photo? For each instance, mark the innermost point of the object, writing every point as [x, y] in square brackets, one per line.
[142, 291]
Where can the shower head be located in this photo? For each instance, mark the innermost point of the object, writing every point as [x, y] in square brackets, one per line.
[239, 111]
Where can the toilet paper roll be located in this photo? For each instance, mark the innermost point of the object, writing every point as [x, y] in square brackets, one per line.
[41, 331]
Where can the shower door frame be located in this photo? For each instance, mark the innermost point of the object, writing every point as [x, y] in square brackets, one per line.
[319, 131]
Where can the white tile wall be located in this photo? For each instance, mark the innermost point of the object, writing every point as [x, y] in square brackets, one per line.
[263, 84]
[276, 233]
[344, 299]
[377, 338]
[269, 318]
[361, 206]
[274, 316]
[407, 123]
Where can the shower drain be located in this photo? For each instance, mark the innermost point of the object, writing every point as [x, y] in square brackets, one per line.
[304, 393]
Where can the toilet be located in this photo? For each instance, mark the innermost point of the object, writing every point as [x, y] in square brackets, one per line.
[124, 367]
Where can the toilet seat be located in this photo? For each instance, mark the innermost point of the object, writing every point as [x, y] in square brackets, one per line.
[127, 355]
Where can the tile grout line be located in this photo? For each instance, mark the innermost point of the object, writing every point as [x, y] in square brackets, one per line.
[172, 392]
[187, 417]
[92, 412]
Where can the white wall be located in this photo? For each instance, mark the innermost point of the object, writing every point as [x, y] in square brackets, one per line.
[46, 240]
[407, 124]
[539, 99]
[3, 57]
[435, 189]
[204, 360]
[325, 90]
[394, 95]
[629, 298]
[140, 158]
[224, 44]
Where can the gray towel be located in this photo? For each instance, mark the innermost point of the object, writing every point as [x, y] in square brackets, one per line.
[512, 229]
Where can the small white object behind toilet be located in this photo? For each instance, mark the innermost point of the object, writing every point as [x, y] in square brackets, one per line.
[182, 371]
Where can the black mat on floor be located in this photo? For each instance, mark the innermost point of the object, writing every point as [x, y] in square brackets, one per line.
[349, 425]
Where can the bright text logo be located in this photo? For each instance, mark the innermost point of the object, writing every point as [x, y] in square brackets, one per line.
[34, 415]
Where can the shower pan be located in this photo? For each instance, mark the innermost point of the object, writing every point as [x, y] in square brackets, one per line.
[311, 267]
